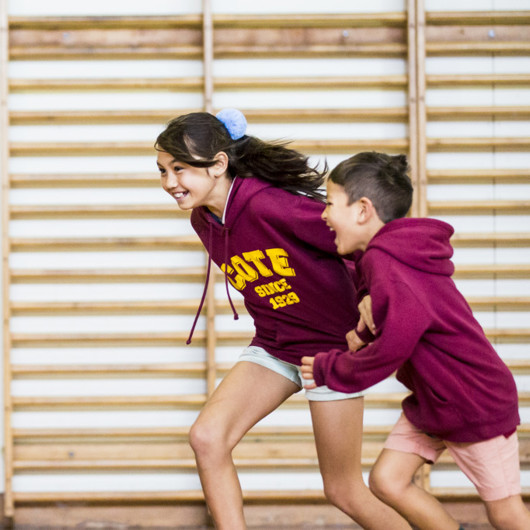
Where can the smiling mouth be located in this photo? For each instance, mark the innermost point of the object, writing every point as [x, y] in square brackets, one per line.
[180, 195]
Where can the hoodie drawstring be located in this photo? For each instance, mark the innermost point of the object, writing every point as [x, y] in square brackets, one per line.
[207, 281]
[236, 316]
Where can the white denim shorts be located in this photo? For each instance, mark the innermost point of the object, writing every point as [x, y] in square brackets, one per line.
[255, 354]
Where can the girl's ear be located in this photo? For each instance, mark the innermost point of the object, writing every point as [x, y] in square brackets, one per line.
[221, 164]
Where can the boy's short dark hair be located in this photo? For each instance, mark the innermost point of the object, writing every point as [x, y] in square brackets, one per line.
[379, 177]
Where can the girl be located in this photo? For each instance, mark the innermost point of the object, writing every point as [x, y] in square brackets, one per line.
[256, 206]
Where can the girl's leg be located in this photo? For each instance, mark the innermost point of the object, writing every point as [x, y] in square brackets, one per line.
[247, 394]
[338, 427]
[508, 514]
[391, 480]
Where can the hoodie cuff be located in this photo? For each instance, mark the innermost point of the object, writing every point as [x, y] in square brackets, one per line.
[365, 335]
[320, 367]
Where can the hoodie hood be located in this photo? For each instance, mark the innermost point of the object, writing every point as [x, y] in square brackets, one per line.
[420, 243]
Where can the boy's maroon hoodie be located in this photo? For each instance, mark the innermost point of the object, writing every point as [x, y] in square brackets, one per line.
[461, 390]
[282, 258]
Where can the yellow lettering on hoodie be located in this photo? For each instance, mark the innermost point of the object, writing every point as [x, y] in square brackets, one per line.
[278, 257]
[244, 269]
[237, 281]
[255, 257]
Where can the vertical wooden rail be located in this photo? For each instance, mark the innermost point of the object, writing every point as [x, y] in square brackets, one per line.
[207, 29]
[4, 161]
[412, 103]
[421, 108]
[423, 477]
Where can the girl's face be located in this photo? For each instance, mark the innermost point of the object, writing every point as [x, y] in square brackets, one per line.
[191, 186]
[342, 218]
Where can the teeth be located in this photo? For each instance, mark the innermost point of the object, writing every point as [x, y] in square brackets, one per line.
[179, 194]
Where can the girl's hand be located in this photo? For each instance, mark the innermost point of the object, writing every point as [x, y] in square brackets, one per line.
[354, 342]
[367, 319]
[307, 372]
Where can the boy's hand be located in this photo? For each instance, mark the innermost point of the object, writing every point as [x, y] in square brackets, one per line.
[365, 309]
[354, 342]
[307, 372]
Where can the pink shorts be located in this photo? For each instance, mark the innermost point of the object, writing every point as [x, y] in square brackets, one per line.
[492, 465]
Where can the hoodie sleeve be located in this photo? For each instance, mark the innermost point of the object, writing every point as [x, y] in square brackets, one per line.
[401, 320]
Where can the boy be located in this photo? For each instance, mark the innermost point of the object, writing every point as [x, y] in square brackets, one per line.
[463, 397]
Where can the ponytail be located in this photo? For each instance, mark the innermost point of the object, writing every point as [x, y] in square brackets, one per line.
[196, 138]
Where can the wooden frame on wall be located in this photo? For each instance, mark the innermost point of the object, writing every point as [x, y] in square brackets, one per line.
[412, 36]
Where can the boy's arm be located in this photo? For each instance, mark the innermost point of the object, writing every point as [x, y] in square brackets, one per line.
[401, 321]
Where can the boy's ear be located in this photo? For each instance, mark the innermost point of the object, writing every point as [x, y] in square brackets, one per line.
[366, 210]
[221, 164]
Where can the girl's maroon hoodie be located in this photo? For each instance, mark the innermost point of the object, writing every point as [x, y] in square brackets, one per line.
[282, 258]
[461, 390]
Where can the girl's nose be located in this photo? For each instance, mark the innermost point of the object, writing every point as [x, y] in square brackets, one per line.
[171, 180]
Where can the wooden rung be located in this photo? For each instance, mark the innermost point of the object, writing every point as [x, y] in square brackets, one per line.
[124, 339]
[487, 271]
[107, 243]
[104, 22]
[190, 52]
[173, 465]
[474, 207]
[219, 20]
[89, 211]
[86, 180]
[508, 334]
[170, 432]
[394, 81]
[382, 49]
[23, 53]
[458, 80]
[146, 148]
[478, 48]
[155, 307]
[77, 402]
[499, 302]
[474, 175]
[188, 274]
[161, 496]
[478, 144]
[258, 116]
[115, 465]
[477, 113]
[371, 400]
[190, 84]
[81, 148]
[512, 239]
[253, 116]
[518, 365]
[468, 18]
[265, 496]
[306, 146]
[108, 370]
[85, 340]
[323, 20]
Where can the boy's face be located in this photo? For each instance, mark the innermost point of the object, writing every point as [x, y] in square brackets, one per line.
[342, 217]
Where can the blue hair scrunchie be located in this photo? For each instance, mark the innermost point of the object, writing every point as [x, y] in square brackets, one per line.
[234, 121]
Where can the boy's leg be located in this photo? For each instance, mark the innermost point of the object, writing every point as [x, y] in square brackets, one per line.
[508, 514]
[248, 393]
[338, 427]
[391, 481]
[493, 467]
